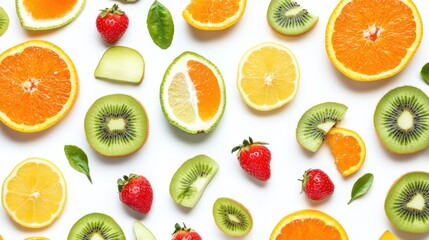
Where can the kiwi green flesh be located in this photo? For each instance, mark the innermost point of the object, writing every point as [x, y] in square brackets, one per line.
[232, 217]
[316, 122]
[289, 18]
[4, 21]
[407, 203]
[191, 179]
[116, 125]
[96, 226]
[122, 64]
[401, 120]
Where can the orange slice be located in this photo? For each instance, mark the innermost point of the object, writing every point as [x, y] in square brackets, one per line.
[369, 40]
[47, 14]
[38, 85]
[388, 235]
[348, 149]
[214, 14]
[268, 76]
[34, 193]
[308, 225]
[192, 93]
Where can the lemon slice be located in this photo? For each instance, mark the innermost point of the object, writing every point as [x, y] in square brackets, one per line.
[34, 193]
[47, 14]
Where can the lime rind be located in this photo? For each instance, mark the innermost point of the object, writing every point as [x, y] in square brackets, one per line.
[30, 23]
[179, 66]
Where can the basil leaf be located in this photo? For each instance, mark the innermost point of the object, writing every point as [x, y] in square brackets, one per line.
[361, 186]
[425, 73]
[77, 159]
[160, 25]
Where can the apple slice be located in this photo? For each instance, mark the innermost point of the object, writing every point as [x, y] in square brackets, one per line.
[141, 232]
[122, 64]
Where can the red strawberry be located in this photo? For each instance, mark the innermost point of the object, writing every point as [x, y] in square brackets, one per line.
[184, 233]
[112, 23]
[136, 192]
[316, 184]
[254, 158]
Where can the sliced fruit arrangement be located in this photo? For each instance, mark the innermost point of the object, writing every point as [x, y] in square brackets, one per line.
[401, 120]
[308, 224]
[142, 232]
[388, 235]
[4, 21]
[232, 217]
[407, 201]
[268, 76]
[123, 64]
[316, 184]
[185, 233]
[116, 125]
[42, 91]
[254, 158]
[96, 226]
[46, 14]
[289, 18]
[348, 149]
[315, 123]
[191, 179]
[368, 45]
[193, 94]
[214, 15]
[34, 193]
[136, 192]
[112, 23]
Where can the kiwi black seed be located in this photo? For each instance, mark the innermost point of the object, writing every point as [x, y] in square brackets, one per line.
[96, 226]
[316, 122]
[232, 217]
[407, 203]
[4, 21]
[116, 125]
[191, 179]
[289, 18]
[401, 120]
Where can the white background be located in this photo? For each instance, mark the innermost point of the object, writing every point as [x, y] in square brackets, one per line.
[167, 147]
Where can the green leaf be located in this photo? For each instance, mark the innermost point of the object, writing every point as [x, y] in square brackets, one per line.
[160, 25]
[77, 159]
[425, 73]
[361, 186]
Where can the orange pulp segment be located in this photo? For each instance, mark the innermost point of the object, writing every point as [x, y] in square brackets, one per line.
[388, 235]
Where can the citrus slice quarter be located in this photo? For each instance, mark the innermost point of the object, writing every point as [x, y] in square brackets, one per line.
[268, 76]
[34, 193]
[38, 85]
[192, 93]
[47, 14]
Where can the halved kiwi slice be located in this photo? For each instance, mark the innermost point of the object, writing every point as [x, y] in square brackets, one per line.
[401, 120]
[289, 18]
[191, 179]
[4, 21]
[116, 125]
[96, 226]
[232, 217]
[316, 122]
[407, 203]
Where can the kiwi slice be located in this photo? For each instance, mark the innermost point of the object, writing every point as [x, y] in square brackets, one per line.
[289, 18]
[116, 125]
[316, 122]
[96, 226]
[232, 217]
[407, 202]
[401, 120]
[4, 21]
[191, 179]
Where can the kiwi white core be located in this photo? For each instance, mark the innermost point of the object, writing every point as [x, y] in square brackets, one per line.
[417, 202]
[293, 11]
[326, 126]
[116, 124]
[406, 120]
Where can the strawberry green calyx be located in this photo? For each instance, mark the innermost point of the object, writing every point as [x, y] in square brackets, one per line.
[124, 181]
[246, 144]
[304, 180]
[178, 228]
[113, 10]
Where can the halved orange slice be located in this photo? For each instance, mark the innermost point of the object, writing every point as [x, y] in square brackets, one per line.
[38, 85]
